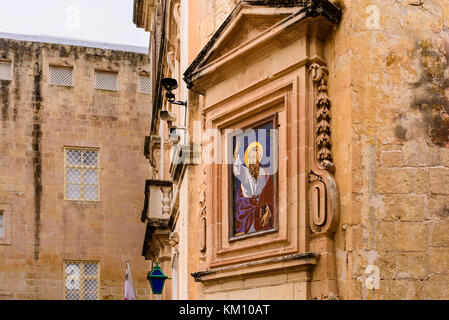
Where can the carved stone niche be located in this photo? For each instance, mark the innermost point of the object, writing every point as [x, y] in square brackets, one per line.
[274, 70]
[158, 195]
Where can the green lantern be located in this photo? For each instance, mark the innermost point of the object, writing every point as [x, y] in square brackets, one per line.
[157, 279]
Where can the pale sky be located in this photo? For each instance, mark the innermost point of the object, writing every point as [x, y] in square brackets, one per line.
[107, 21]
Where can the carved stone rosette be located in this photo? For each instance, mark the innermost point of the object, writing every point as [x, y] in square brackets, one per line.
[323, 190]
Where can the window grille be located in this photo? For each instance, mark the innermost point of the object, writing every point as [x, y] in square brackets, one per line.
[81, 280]
[106, 80]
[5, 70]
[61, 76]
[2, 228]
[82, 174]
[145, 84]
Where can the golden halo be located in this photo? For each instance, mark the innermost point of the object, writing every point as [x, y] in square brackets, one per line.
[253, 145]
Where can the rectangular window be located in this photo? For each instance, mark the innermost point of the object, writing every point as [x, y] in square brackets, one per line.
[145, 84]
[61, 76]
[81, 280]
[2, 226]
[105, 80]
[5, 70]
[82, 174]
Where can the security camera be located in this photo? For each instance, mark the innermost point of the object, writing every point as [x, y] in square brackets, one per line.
[169, 85]
[167, 116]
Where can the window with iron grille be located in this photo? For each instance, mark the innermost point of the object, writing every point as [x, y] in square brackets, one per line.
[82, 179]
[5, 70]
[61, 76]
[106, 80]
[81, 280]
[145, 84]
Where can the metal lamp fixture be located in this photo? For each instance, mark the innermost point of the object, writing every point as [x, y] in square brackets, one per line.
[169, 85]
[157, 278]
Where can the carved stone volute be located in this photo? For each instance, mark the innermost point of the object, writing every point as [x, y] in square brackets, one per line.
[323, 191]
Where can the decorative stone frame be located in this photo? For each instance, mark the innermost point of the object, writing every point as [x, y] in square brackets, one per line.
[277, 68]
[231, 237]
[6, 209]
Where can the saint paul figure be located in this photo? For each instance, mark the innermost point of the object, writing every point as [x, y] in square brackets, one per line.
[253, 190]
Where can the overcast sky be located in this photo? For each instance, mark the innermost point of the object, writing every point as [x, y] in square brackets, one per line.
[108, 21]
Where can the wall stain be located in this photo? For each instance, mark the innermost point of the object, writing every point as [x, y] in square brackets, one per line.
[5, 49]
[17, 66]
[400, 132]
[443, 212]
[430, 91]
[37, 157]
[4, 98]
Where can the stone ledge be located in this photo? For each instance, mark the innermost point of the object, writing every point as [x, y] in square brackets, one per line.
[302, 260]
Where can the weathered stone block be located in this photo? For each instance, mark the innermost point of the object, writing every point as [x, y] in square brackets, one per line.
[412, 266]
[403, 208]
[399, 289]
[439, 178]
[445, 153]
[386, 262]
[247, 294]
[410, 236]
[281, 292]
[392, 159]
[300, 291]
[274, 278]
[384, 235]
[437, 207]
[395, 180]
[422, 181]
[420, 154]
[435, 287]
[439, 260]
[232, 284]
[439, 233]
[353, 238]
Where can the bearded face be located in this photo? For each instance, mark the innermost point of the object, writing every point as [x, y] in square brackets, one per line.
[254, 166]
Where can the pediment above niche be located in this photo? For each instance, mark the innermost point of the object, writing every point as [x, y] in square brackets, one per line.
[246, 25]
[252, 25]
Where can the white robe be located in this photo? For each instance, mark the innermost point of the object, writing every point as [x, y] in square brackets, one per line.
[250, 187]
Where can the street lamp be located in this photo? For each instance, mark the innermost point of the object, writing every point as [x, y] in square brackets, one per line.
[157, 278]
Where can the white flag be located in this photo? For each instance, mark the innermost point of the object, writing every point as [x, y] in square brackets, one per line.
[130, 294]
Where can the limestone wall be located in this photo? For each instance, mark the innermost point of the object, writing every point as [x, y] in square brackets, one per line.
[388, 62]
[390, 75]
[37, 121]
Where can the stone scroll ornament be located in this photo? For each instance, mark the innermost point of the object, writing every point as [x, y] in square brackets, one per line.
[322, 127]
[323, 191]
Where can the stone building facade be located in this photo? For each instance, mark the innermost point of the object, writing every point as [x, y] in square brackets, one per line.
[71, 168]
[359, 93]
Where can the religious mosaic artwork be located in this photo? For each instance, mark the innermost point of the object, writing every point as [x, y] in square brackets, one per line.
[254, 179]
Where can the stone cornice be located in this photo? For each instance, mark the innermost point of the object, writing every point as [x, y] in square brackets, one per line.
[307, 8]
[303, 260]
